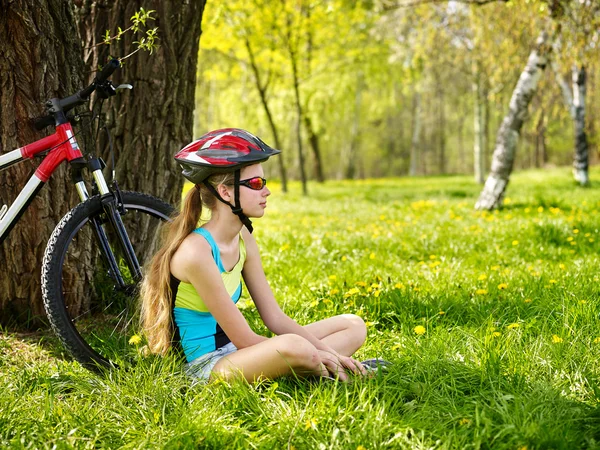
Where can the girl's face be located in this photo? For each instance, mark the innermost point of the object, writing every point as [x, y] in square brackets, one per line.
[253, 202]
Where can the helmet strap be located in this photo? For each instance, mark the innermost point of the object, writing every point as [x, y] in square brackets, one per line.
[237, 209]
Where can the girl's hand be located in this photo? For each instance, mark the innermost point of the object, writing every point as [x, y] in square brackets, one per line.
[352, 365]
[337, 365]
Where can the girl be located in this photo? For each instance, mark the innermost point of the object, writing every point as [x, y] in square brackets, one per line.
[195, 279]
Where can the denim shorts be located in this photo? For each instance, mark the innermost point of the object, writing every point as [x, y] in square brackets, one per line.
[201, 367]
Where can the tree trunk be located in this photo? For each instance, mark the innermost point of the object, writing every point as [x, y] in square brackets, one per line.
[441, 129]
[416, 129]
[262, 92]
[506, 142]
[478, 125]
[154, 120]
[298, 121]
[313, 139]
[581, 158]
[351, 159]
[40, 58]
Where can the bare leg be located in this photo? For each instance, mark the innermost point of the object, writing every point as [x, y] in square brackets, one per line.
[345, 333]
[278, 356]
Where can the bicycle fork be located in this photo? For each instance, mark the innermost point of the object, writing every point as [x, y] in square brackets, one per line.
[113, 209]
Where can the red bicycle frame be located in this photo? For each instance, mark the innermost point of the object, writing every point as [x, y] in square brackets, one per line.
[63, 148]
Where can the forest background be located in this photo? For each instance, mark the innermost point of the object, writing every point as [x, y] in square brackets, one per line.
[396, 88]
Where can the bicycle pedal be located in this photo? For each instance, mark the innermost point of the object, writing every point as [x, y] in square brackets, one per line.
[3, 211]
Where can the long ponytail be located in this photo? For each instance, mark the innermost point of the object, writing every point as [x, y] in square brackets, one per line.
[157, 301]
[156, 297]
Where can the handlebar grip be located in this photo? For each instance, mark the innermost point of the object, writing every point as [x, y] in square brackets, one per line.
[108, 70]
[42, 122]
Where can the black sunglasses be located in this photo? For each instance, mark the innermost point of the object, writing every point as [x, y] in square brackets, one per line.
[255, 183]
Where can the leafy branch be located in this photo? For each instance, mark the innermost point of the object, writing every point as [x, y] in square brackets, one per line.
[138, 23]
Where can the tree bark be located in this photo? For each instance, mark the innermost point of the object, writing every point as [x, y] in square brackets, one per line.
[262, 92]
[416, 129]
[351, 159]
[154, 120]
[313, 140]
[478, 124]
[506, 142]
[581, 158]
[40, 58]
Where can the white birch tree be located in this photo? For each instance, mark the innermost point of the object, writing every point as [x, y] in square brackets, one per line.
[506, 142]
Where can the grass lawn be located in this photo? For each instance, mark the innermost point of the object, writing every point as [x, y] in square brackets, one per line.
[491, 320]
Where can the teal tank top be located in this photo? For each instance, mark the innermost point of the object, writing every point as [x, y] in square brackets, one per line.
[199, 332]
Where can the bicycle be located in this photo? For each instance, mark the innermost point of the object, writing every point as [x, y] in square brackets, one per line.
[92, 263]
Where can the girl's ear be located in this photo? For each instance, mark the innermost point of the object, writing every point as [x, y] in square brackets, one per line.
[224, 192]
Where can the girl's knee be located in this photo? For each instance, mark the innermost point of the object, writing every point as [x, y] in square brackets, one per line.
[358, 327]
[297, 350]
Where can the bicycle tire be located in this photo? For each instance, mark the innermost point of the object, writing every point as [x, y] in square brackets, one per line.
[94, 320]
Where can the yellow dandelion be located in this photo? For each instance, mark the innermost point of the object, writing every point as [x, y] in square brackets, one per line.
[482, 277]
[515, 242]
[284, 247]
[597, 340]
[527, 300]
[351, 292]
[370, 324]
[561, 266]
[512, 326]
[314, 303]
[361, 447]
[310, 423]
[399, 286]
[552, 282]
[496, 334]
[556, 339]
[481, 291]
[135, 340]
[464, 421]
[334, 291]
[332, 277]
[372, 256]
[575, 231]
[502, 286]
[344, 258]
[441, 313]
[361, 283]
[377, 293]
[420, 330]
[582, 302]
[495, 267]
[540, 209]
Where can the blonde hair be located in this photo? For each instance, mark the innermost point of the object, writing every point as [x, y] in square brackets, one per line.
[157, 300]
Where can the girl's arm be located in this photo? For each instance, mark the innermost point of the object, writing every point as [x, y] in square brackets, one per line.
[262, 295]
[200, 269]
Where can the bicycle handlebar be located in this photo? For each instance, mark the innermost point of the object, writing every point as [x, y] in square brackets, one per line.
[79, 98]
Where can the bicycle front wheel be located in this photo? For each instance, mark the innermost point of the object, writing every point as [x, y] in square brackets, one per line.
[94, 311]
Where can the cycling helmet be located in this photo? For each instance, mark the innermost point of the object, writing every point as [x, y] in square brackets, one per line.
[222, 151]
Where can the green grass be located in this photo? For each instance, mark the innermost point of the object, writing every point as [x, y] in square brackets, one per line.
[508, 301]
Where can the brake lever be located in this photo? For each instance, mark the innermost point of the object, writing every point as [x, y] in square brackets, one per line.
[124, 86]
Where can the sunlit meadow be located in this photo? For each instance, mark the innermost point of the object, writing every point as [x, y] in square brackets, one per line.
[491, 320]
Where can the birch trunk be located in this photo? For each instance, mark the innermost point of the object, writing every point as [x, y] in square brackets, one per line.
[478, 125]
[416, 132]
[503, 158]
[581, 158]
[40, 58]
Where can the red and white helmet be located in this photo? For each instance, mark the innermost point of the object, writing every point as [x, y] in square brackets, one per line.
[221, 151]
